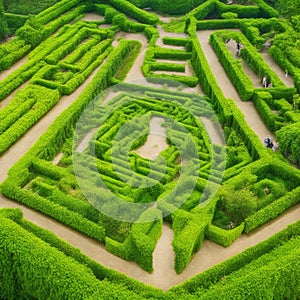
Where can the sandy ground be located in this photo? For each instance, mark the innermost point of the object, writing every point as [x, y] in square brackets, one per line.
[215, 132]
[156, 140]
[164, 275]
[92, 17]
[288, 81]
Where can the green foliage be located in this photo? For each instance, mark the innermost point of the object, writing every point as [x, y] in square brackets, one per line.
[135, 12]
[229, 15]
[223, 237]
[288, 8]
[31, 32]
[29, 105]
[238, 204]
[3, 23]
[28, 7]
[206, 280]
[289, 139]
[189, 231]
[35, 263]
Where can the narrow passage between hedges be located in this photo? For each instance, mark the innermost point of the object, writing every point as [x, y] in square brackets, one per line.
[247, 108]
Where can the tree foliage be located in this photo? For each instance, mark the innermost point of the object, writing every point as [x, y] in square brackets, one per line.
[3, 24]
[289, 141]
[288, 8]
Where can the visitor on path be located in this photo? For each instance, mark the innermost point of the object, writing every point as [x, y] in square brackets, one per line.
[268, 142]
[264, 82]
[238, 48]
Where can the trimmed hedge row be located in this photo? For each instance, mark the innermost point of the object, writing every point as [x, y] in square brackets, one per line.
[223, 237]
[273, 210]
[49, 144]
[272, 276]
[154, 52]
[262, 103]
[32, 263]
[228, 112]
[12, 51]
[189, 231]
[141, 242]
[56, 10]
[262, 170]
[207, 78]
[134, 12]
[207, 279]
[40, 101]
[232, 66]
[252, 58]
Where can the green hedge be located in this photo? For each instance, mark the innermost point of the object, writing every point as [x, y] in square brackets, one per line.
[223, 237]
[18, 122]
[207, 279]
[134, 12]
[14, 22]
[141, 242]
[189, 231]
[49, 144]
[207, 78]
[43, 272]
[288, 138]
[272, 120]
[262, 10]
[56, 10]
[272, 276]
[12, 51]
[232, 66]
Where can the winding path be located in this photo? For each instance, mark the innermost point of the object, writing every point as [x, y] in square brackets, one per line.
[164, 275]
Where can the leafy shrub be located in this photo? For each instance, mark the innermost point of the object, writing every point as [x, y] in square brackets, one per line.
[229, 15]
[223, 237]
[288, 139]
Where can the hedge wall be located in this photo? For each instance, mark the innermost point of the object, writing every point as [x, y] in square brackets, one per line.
[43, 272]
[134, 12]
[205, 281]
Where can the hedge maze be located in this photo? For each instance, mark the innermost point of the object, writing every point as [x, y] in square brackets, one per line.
[86, 161]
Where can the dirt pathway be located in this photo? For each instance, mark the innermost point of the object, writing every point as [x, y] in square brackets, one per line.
[156, 140]
[288, 81]
[164, 276]
[17, 150]
[247, 108]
